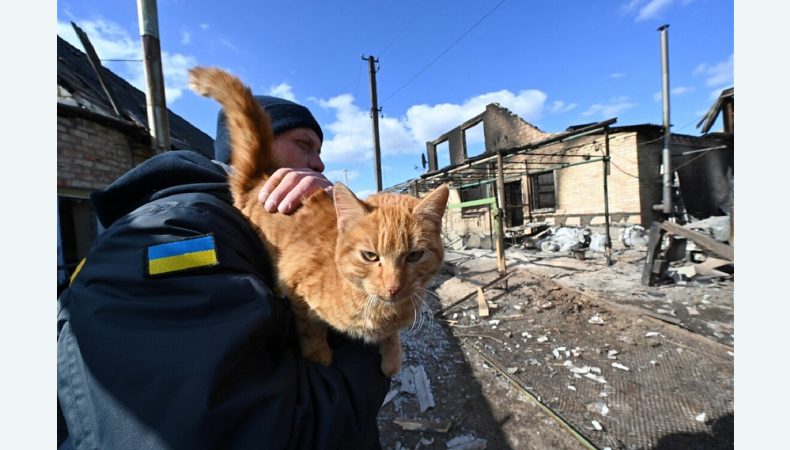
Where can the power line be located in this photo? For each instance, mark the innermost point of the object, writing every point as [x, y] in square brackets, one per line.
[397, 35]
[479, 21]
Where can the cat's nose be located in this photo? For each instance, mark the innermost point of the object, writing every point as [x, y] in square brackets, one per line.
[393, 290]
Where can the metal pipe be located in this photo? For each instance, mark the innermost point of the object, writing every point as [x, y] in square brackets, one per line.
[155, 85]
[665, 155]
[608, 244]
[500, 214]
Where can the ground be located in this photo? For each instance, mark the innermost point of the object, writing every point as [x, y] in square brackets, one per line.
[575, 354]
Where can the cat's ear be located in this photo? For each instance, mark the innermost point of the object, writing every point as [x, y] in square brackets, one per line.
[432, 206]
[348, 207]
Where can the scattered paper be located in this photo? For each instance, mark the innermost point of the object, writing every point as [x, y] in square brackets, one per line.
[619, 366]
[580, 370]
[597, 378]
[596, 319]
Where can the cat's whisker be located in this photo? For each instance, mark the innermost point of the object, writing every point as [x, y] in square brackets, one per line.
[372, 301]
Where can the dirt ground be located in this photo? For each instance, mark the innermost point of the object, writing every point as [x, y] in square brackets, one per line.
[574, 354]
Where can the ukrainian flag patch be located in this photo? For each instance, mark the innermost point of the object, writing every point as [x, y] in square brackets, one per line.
[178, 256]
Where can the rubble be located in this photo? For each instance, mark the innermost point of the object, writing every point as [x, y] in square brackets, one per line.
[423, 425]
[615, 349]
[717, 227]
[467, 442]
[634, 236]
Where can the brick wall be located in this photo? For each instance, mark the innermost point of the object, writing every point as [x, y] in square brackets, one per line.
[579, 189]
[503, 129]
[90, 155]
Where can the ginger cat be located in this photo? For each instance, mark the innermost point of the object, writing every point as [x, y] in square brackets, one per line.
[359, 266]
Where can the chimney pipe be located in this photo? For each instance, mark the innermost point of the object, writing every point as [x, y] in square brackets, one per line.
[155, 85]
[665, 155]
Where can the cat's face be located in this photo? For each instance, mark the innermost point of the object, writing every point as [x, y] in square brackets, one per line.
[390, 247]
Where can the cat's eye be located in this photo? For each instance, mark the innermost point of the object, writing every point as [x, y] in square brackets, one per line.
[416, 255]
[369, 256]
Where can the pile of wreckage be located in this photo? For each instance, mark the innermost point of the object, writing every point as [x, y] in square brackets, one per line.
[696, 251]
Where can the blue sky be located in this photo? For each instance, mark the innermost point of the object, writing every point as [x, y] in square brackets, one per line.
[555, 64]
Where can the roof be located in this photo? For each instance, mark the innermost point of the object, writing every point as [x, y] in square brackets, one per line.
[727, 95]
[79, 89]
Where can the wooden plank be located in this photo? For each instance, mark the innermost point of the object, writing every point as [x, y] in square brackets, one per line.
[482, 306]
[705, 242]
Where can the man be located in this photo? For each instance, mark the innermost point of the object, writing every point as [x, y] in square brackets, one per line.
[169, 335]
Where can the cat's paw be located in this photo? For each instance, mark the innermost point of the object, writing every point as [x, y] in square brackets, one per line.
[321, 355]
[390, 365]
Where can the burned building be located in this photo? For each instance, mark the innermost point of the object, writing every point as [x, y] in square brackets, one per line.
[587, 175]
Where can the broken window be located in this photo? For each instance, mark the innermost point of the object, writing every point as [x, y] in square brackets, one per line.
[474, 140]
[514, 206]
[443, 154]
[543, 192]
[475, 192]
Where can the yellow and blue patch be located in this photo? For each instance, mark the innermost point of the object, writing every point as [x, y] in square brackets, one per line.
[186, 254]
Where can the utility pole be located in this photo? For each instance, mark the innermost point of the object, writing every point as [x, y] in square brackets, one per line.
[155, 84]
[374, 114]
[345, 176]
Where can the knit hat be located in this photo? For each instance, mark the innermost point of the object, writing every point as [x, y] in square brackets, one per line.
[285, 115]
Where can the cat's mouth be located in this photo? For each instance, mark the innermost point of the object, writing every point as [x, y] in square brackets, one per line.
[391, 299]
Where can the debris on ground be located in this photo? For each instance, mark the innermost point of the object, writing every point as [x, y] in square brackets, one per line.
[604, 353]
[467, 442]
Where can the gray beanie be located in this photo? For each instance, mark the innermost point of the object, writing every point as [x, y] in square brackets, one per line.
[285, 115]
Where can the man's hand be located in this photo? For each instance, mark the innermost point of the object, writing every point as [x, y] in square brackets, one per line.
[286, 188]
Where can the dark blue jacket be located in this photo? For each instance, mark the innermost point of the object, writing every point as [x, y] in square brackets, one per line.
[205, 357]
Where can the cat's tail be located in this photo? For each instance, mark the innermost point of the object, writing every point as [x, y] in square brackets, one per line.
[247, 123]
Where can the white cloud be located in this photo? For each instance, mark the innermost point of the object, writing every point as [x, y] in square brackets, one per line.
[674, 92]
[365, 193]
[559, 107]
[611, 109]
[351, 131]
[426, 122]
[653, 9]
[617, 75]
[341, 175]
[227, 43]
[111, 41]
[186, 37]
[718, 74]
[629, 7]
[650, 9]
[204, 26]
[282, 90]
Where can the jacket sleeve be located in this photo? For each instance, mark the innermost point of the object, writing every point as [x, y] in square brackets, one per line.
[203, 357]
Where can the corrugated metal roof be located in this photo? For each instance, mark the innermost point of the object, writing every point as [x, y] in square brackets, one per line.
[79, 86]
